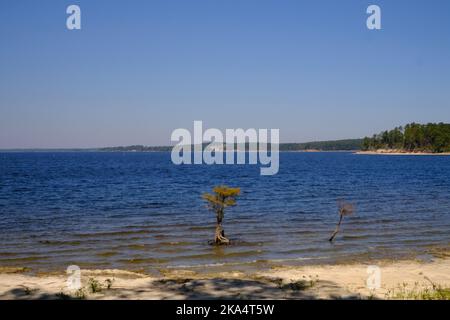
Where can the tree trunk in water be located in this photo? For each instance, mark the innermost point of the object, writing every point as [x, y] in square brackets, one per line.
[220, 236]
[337, 229]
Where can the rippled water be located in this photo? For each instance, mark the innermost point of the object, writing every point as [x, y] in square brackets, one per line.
[139, 211]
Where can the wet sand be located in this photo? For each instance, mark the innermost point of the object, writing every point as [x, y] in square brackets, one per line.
[283, 282]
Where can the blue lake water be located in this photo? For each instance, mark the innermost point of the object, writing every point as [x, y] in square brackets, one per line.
[139, 211]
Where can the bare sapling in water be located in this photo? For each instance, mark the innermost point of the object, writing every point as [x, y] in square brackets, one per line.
[345, 209]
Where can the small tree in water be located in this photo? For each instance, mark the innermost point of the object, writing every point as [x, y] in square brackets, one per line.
[221, 198]
[345, 209]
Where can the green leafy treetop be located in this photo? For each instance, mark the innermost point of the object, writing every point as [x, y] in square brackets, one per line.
[221, 198]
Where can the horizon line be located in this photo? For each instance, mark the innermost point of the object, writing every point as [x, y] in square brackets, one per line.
[152, 146]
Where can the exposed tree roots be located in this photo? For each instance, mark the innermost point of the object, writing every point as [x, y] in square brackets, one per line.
[220, 238]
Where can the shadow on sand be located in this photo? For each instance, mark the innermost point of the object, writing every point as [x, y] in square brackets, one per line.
[216, 288]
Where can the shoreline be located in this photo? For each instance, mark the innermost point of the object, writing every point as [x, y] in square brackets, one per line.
[399, 279]
[401, 153]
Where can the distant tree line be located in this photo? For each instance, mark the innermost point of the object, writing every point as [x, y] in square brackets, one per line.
[431, 137]
[136, 148]
[334, 145]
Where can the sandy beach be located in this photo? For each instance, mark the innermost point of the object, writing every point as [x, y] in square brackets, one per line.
[394, 152]
[399, 280]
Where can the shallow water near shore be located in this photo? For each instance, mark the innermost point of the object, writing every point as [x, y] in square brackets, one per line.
[138, 211]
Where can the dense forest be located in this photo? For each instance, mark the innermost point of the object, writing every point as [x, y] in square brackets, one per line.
[335, 145]
[414, 137]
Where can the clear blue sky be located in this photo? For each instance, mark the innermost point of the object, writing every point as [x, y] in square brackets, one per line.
[139, 69]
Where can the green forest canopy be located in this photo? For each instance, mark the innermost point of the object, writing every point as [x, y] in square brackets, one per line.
[414, 137]
[334, 145]
[431, 137]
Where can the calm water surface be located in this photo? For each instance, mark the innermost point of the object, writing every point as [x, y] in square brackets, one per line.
[139, 211]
